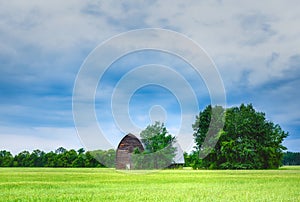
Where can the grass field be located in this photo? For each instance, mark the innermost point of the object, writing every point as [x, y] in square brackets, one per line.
[86, 184]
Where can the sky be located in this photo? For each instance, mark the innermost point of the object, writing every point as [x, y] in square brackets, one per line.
[254, 45]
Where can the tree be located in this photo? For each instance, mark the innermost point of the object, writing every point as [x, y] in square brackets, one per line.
[22, 159]
[247, 141]
[37, 158]
[80, 151]
[50, 159]
[60, 150]
[6, 159]
[80, 160]
[159, 151]
[70, 156]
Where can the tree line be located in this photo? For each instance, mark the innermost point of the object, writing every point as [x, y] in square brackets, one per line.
[231, 138]
[291, 158]
[61, 157]
[87, 159]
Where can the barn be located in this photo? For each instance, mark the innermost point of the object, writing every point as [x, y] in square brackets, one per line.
[125, 150]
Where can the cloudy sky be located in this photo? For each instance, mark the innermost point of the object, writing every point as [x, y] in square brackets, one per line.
[255, 46]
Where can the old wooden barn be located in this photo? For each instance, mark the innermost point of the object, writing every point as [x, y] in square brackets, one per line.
[125, 150]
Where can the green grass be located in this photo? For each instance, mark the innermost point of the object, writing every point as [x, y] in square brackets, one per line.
[95, 184]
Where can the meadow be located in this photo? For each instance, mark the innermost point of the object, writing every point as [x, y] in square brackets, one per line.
[101, 184]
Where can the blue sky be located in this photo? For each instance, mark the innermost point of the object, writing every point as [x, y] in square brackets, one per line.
[255, 46]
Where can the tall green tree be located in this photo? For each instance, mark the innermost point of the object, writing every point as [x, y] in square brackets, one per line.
[159, 150]
[247, 141]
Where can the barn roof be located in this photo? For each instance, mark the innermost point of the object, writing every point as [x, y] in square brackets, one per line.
[129, 135]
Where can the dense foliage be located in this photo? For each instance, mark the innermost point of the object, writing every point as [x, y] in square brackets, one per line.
[60, 158]
[247, 140]
[159, 151]
[291, 158]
